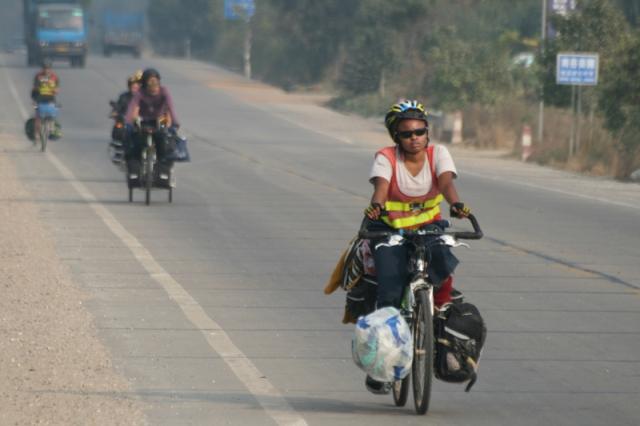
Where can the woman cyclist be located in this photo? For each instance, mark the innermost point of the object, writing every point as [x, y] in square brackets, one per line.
[410, 181]
[43, 93]
[151, 104]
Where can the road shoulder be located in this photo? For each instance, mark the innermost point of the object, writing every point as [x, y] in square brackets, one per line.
[53, 368]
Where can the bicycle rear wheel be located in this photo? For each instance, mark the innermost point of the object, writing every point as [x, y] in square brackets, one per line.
[422, 367]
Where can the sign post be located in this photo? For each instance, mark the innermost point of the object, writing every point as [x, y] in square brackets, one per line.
[576, 70]
[553, 7]
[242, 9]
[543, 36]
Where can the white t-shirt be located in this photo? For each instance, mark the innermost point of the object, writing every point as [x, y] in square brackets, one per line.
[413, 186]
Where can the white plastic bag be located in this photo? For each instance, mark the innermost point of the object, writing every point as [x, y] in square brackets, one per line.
[382, 345]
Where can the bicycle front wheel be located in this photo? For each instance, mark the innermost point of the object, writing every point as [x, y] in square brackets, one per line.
[422, 367]
[148, 177]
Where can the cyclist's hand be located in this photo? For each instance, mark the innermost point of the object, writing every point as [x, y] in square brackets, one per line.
[373, 211]
[459, 210]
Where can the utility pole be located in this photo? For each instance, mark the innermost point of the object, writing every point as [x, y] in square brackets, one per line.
[542, 46]
[247, 49]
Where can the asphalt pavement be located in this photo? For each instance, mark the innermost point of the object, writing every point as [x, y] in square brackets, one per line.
[212, 306]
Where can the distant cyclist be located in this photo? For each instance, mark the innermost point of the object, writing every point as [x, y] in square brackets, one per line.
[44, 91]
[153, 106]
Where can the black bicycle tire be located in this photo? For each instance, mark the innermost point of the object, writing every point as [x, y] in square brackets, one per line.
[401, 391]
[44, 135]
[423, 343]
[148, 178]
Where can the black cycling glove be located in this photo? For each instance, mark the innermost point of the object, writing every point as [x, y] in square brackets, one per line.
[459, 210]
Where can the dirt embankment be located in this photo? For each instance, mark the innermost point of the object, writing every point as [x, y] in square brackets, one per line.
[53, 369]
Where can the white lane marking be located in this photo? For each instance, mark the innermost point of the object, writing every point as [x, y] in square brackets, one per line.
[271, 400]
[600, 200]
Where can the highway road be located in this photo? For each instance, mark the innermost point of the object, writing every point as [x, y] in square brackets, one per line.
[212, 306]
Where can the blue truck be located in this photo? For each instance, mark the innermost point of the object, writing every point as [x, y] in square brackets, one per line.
[123, 32]
[55, 29]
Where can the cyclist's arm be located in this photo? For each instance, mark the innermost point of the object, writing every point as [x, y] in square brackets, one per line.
[57, 83]
[173, 119]
[448, 188]
[380, 195]
[380, 190]
[34, 88]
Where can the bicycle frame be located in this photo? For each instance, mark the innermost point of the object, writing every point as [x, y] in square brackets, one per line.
[46, 119]
[419, 280]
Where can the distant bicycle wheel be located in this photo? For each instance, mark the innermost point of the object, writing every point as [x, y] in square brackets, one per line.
[44, 133]
[422, 368]
[148, 175]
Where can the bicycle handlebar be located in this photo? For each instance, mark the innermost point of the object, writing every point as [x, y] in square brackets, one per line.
[476, 234]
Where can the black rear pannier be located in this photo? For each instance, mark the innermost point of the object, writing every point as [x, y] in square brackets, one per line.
[30, 129]
[460, 335]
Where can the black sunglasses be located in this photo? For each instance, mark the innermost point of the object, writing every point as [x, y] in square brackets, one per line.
[406, 134]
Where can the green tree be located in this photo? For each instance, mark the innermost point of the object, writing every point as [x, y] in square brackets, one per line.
[172, 24]
[620, 103]
[382, 33]
[631, 9]
[598, 26]
[296, 42]
[463, 72]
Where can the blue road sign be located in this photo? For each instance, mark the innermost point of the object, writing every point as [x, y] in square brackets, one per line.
[562, 7]
[577, 69]
[239, 9]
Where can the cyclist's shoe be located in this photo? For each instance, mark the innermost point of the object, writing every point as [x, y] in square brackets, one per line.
[456, 296]
[164, 175]
[133, 173]
[116, 158]
[376, 387]
[117, 155]
[133, 180]
[163, 180]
